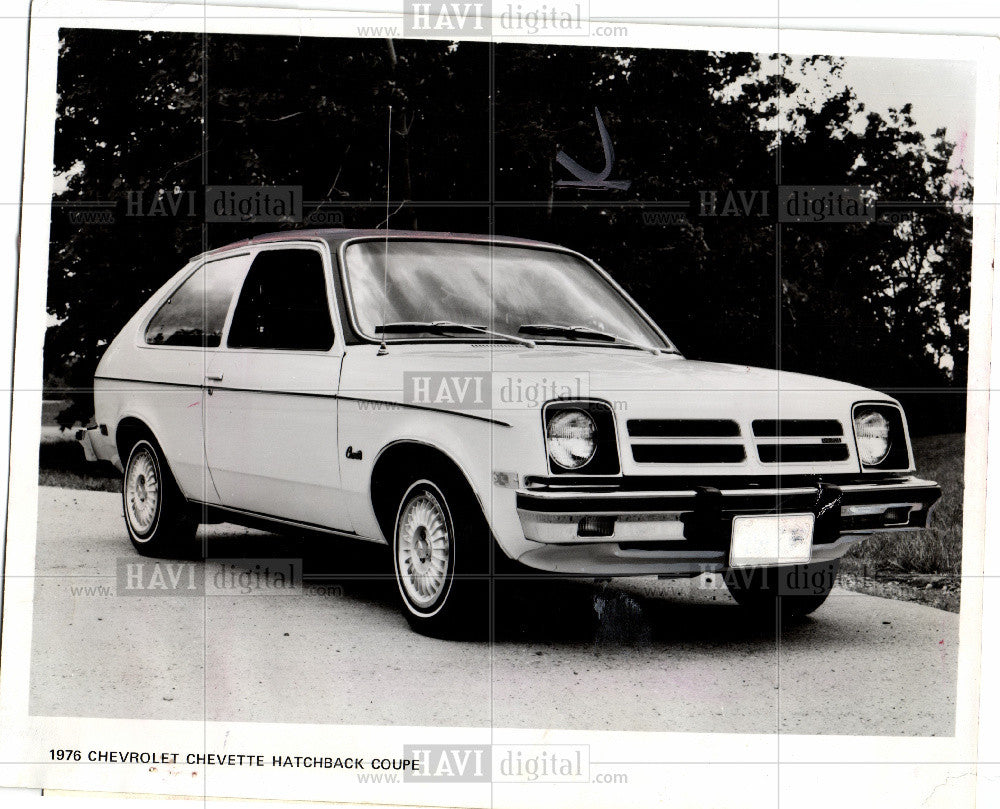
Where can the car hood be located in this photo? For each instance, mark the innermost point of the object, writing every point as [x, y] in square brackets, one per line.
[616, 369]
[596, 371]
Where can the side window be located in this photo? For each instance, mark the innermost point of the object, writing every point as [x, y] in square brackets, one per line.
[283, 303]
[196, 312]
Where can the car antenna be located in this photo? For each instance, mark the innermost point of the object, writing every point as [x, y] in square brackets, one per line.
[383, 349]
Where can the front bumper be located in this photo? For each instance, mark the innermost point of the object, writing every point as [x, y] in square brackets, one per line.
[621, 529]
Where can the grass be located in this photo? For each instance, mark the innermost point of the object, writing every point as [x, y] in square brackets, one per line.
[62, 463]
[938, 551]
[50, 411]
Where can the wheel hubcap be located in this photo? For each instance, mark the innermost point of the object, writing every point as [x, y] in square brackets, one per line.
[142, 491]
[423, 549]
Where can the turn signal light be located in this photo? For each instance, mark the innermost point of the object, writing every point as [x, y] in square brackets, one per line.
[596, 527]
[899, 515]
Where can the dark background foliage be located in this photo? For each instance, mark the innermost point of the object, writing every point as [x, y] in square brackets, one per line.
[475, 132]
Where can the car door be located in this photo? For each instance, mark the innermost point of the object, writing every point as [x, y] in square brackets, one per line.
[174, 348]
[270, 403]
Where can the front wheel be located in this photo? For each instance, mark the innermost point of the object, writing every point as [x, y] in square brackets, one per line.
[157, 516]
[788, 592]
[440, 546]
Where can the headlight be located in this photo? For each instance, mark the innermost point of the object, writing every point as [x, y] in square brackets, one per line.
[571, 436]
[871, 429]
[581, 437]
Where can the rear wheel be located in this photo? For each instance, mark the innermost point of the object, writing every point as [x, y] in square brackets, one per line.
[794, 590]
[440, 547]
[158, 518]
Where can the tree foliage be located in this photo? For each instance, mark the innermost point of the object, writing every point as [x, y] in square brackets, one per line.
[475, 132]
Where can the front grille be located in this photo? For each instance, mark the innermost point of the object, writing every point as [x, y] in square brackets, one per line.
[686, 441]
[800, 441]
[682, 428]
[688, 453]
[689, 442]
[796, 428]
[802, 453]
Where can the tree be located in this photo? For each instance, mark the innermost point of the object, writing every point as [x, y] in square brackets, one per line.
[161, 115]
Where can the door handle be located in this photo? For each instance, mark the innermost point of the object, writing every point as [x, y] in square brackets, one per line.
[214, 377]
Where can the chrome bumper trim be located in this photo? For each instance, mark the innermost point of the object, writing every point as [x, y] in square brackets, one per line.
[694, 518]
[562, 529]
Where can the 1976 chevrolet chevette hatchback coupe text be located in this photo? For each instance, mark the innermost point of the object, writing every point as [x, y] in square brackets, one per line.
[483, 404]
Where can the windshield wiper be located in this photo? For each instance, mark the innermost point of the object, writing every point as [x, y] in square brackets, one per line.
[581, 333]
[447, 327]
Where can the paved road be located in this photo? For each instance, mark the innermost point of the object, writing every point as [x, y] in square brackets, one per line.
[638, 655]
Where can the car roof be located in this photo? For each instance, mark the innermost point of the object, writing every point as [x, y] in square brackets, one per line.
[335, 236]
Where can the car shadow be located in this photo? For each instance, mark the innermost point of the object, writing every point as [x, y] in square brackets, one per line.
[535, 608]
[356, 569]
[614, 615]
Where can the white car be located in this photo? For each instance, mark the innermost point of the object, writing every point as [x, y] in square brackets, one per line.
[484, 405]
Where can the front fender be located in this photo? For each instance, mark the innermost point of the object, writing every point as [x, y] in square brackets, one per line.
[367, 431]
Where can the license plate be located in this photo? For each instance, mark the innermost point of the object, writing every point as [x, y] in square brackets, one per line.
[771, 539]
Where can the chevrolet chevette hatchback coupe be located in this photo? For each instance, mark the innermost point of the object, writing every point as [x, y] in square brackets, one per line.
[481, 405]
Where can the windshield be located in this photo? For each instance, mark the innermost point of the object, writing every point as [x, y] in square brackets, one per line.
[500, 287]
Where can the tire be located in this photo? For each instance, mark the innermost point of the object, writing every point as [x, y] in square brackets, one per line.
[440, 551]
[159, 521]
[782, 592]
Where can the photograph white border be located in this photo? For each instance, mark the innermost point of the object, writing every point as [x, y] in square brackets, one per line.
[796, 767]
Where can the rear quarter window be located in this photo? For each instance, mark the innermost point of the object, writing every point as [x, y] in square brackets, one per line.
[195, 313]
